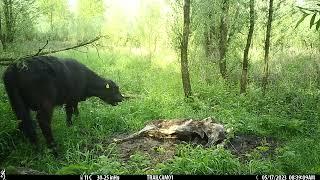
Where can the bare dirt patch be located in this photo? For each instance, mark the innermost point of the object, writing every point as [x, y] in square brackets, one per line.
[243, 144]
[157, 150]
[160, 150]
[158, 139]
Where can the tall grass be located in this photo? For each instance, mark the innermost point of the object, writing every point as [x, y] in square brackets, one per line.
[290, 113]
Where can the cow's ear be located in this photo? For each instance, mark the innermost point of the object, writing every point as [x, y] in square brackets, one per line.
[107, 86]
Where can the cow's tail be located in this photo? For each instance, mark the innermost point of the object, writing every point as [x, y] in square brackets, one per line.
[18, 106]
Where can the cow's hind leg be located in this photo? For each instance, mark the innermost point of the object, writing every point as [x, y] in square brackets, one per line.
[20, 109]
[44, 116]
[75, 109]
[27, 126]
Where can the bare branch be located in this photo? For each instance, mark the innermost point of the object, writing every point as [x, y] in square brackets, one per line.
[9, 60]
[80, 50]
[42, 48]
[5, 63]
[96, 47]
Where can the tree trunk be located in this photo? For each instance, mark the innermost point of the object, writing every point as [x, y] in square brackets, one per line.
[9, 21]
[244, 76]
[12, 23]
[208, 39]
[232, 27]
[267, 49]
[207, 44]
[223, 38]
[184, 49]
[1, 37]
[51, 20]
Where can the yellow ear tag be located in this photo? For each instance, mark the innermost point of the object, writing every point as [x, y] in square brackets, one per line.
[107, 86]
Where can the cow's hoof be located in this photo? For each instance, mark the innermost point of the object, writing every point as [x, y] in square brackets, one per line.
[69, 123]
[55, 153]
[54, 149]
[36, 148]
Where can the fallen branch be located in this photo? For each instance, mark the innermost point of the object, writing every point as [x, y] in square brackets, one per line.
[42, 48]
[8, 61]
[5, 63]
[73, 47]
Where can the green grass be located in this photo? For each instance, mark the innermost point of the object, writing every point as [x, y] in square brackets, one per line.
[290, 113]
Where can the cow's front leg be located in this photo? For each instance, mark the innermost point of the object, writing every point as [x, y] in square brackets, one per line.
[44, 116]
[69, 111]
[75, 109]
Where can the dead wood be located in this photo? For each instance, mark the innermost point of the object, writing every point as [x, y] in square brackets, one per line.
[8, 60]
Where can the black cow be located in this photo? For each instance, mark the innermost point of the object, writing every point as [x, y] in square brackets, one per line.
[43, 82]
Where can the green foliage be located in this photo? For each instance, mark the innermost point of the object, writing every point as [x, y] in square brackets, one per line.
[196, 160]
[140, 56]
[137, 163]
[312, 8]
[75, 169]
[300, 156]
[8, 132]
[288, 114]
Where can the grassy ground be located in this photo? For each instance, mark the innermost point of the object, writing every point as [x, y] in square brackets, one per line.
[289, 113]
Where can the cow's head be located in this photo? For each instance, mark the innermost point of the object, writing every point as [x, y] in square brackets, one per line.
[111, 93]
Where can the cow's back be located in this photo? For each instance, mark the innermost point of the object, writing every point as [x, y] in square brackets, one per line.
[41, 78]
